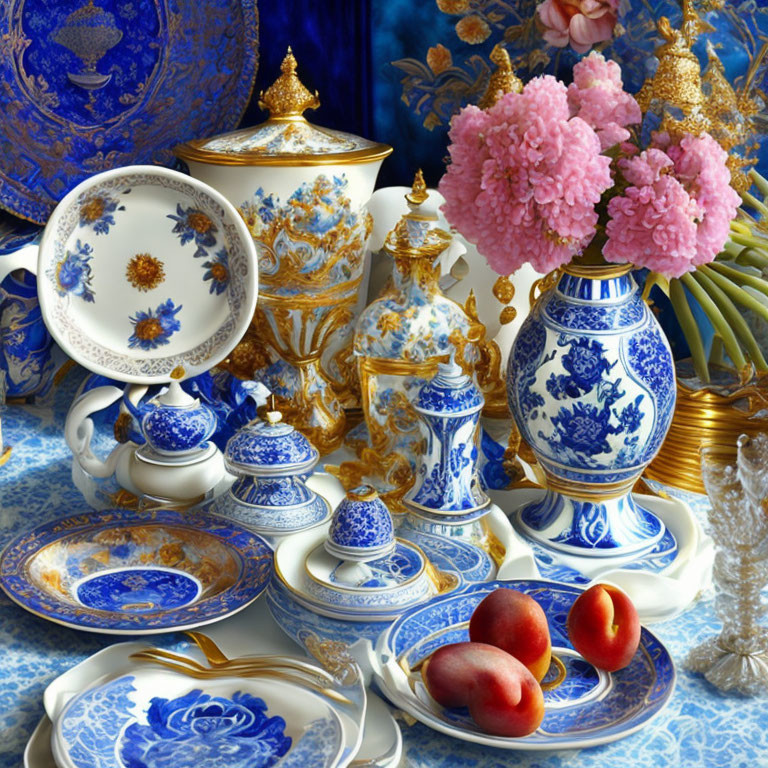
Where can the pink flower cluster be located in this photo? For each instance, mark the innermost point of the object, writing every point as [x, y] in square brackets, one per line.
[675, 215]
[524, 179]
[597, 96]
[580, 23]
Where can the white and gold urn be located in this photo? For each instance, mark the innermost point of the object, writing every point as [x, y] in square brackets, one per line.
[302, 191]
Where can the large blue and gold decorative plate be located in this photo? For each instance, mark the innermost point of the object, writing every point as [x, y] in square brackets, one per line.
[90, 85]
[126, 572]
[146, 275]
[589, 707]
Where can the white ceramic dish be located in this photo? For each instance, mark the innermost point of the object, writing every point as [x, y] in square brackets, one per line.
[250, 631]
[661, 584]
[145, 274]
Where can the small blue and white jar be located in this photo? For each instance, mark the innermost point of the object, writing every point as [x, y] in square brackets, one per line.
[447, 481]
[591, 384]
[362, 527]
[176, 424]
[271, 461]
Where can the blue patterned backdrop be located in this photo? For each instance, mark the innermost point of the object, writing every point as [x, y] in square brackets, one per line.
[395, 70]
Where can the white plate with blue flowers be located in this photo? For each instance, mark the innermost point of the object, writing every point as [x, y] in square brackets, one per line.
[157, 719]
[146, 275]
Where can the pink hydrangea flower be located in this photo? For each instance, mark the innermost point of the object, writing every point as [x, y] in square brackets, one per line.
[700, 165]
[525, 178]
[597, 96]
[675, 215]
[580, 23]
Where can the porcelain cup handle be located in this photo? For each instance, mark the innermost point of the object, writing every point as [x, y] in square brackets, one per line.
[78, 430]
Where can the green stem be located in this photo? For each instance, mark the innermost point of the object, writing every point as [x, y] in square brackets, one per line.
[690, 329]
[718, 321]
[749, 257]
[743, 278]
[731, 248]
[759, 181]
[758, 205]
[716, 352]
[739, 295]
[748, 240]
[735, 320]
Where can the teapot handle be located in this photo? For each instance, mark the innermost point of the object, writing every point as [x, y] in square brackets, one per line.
[78, 430]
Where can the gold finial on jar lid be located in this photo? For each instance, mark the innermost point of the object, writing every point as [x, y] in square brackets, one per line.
[418, 193]
[503, 78]
[288, 97]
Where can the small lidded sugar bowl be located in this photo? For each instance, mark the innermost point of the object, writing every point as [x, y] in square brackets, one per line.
[271, 461]
[447, 481]
[362, 527]
[361, 568]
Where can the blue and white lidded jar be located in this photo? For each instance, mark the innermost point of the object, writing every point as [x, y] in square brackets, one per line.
[271, 460]
[362, 527]
[591, 384]
[447, 481]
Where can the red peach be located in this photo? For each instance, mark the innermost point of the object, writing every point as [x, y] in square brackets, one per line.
[503, 697]
[517, 624]
[604, 627]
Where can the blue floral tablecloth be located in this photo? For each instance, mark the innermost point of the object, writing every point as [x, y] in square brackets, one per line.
[700, 727]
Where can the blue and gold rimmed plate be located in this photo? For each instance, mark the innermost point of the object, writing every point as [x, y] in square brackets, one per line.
[589, 707]
[146, 275]
[126, 572]
[94, 84]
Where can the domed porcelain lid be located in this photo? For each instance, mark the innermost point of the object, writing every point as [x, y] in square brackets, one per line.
[362, 527]
[449, 392]
[286, 138]
[269, 447]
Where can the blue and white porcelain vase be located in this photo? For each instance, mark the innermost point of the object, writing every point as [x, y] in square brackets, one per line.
[591, 385]
[447, 479]
[271, 461]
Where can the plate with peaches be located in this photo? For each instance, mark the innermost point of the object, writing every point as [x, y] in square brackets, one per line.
[526, 665]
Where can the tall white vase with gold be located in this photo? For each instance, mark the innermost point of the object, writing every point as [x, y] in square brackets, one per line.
[302, 191]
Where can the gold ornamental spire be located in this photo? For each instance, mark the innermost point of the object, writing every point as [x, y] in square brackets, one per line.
[676, 87]
[414, 235]
[418, 193]
[288, 97]
[503, 78]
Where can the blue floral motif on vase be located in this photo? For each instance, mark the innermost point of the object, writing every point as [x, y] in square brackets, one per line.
[592, 387]
[25, 343]
[198, 729]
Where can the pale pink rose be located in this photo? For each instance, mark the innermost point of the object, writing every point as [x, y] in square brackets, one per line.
[578, 23]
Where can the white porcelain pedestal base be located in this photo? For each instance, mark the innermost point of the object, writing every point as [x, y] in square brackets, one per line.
[661, 583]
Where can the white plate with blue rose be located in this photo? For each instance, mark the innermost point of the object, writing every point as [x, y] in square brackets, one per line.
[161, 719]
